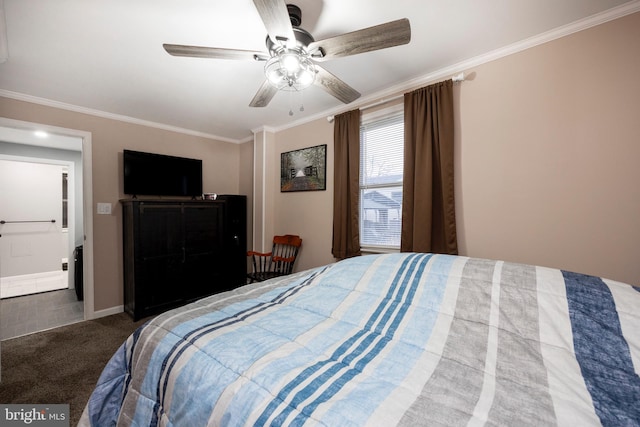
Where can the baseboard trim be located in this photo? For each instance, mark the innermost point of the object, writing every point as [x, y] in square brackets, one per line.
[108, 311]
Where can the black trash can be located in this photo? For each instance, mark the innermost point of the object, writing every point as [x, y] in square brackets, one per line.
[78, 282]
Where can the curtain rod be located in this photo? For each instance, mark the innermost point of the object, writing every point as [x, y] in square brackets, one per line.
[458, 78]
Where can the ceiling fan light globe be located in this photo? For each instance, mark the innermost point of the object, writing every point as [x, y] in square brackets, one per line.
[291, 71]
[290, 62]
[305, 78]
[273, 72]
[275, 79]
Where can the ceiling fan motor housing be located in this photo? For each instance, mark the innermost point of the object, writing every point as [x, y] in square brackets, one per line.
[293, 52]
[295, 15]
[303, 39]
[290, 66]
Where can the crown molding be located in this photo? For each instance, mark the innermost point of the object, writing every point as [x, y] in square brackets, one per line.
[528, 43]
[119, 117]
[264, 128]
[448, 72]
[387, 94]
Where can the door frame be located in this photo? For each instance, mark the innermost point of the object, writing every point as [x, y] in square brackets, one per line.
[87, 200]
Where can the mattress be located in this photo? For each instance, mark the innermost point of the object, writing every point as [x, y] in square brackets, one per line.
[396, 339]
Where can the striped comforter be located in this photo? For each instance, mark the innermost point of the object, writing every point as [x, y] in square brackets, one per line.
[398, 339]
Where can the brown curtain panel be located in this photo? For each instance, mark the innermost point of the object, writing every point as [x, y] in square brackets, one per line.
[346, 225]
[428, 206]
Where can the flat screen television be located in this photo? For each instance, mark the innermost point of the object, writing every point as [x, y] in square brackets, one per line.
[149, 174]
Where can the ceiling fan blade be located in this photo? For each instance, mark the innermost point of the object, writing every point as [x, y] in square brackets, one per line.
[213, 52]
[335, 86]
[381, 36]
[264, 95]
[276, 19]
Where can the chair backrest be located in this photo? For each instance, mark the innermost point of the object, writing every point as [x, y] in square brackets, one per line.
[284, 253]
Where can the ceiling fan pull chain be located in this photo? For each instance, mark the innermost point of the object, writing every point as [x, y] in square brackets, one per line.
[291, 103]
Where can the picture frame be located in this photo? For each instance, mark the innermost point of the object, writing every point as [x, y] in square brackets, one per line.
[304, 169]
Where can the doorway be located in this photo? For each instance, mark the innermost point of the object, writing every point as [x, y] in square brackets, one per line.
[57, 144]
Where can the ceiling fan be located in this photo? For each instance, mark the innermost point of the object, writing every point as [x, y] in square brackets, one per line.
[292, 53]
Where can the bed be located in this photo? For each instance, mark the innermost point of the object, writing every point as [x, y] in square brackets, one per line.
[395, 339]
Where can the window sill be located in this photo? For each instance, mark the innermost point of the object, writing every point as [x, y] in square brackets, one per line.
[379, 249]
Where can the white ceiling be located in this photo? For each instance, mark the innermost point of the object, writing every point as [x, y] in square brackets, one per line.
[39, 137]
[106, 57]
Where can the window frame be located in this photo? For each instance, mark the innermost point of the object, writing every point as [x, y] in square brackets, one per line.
[384, 113]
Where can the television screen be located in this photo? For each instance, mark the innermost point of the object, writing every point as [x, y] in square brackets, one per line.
[152, 174]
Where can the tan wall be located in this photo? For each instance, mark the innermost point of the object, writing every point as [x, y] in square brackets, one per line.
[221, 165]
[308, 214]
[547, 151]
[548, 144]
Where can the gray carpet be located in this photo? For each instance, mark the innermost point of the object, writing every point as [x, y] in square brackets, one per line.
[61, 365]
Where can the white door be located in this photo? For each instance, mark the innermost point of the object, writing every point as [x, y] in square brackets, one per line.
[31, 246]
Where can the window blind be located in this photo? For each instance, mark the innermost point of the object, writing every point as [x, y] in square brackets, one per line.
[381, 169]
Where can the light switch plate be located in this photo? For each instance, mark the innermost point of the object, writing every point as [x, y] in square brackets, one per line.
[104, 208]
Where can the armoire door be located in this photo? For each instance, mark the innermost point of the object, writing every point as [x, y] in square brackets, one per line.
[160, 256]
[205, 268]
[236, 239]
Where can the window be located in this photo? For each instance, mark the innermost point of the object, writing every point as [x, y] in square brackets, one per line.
[381, 168]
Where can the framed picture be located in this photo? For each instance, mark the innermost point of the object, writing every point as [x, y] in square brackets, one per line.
[304, 169]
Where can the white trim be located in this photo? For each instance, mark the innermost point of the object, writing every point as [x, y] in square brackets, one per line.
[264, 191]
[264, 129]
[260, 141]
[557, 33]
[253, 191]
[108, 311]
[71, 223]
[446, 72]
[46, 329]
[87, 222]
[454, 69]
[112, 116]
[379, 250]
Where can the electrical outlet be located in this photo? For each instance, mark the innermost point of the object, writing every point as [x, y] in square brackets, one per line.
[104, 208]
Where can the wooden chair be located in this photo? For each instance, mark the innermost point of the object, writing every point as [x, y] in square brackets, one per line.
[278, 262]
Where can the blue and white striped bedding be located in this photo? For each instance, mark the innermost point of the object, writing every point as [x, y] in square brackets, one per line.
[382, 340]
